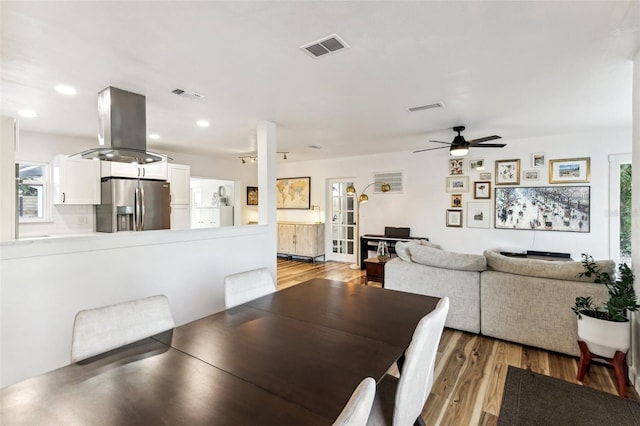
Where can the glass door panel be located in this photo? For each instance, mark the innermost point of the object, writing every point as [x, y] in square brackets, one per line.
[342, 222]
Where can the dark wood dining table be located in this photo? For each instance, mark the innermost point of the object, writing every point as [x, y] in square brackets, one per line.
[292, 357]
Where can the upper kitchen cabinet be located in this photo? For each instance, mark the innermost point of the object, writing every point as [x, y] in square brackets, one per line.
[156, 171]
[75, 181]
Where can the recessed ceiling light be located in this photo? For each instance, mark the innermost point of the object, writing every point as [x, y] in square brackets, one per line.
[65, 90]
[154, 136]
[315, 147]
[202, 123]
[27, 113]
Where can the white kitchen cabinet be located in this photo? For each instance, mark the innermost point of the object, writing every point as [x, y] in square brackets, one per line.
[180, 218]
[179, 178]
[156, 170]
[301, 239]
[212, 217]
[75, 181]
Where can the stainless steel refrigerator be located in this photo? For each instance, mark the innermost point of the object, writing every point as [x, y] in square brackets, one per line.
[133, 205]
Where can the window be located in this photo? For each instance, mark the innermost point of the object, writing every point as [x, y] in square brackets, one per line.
[33, 179]
[620, 207]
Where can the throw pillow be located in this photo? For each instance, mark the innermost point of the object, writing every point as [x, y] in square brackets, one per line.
[429, 244]
[402, 250]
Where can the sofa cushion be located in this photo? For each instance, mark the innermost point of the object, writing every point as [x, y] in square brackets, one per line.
[568, 271]
[447, 260]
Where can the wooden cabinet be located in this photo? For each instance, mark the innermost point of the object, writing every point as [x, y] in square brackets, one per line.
[156, 170]
[301, 239]
[179, 176]
[75, 181]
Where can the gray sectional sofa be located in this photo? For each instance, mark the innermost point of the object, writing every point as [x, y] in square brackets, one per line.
[527, 301]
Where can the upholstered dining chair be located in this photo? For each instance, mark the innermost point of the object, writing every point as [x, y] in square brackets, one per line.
[100, 330]
[357, 410]
[400, 402]
[245, 286]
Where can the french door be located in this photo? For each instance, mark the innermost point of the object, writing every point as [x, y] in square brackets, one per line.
[342, 221]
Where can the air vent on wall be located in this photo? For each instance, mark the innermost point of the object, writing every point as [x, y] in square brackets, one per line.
[185, 94]
[330, 44]
[394, 179]
[423, 107]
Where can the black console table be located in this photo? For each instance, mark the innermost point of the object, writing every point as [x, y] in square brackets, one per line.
[370, 242]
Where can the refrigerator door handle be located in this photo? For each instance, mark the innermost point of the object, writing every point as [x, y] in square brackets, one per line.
[136, 209]
[142, 208]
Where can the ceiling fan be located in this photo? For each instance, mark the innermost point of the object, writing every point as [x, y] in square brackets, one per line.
[459, 146]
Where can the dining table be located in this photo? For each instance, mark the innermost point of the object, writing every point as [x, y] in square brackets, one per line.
[292, 357]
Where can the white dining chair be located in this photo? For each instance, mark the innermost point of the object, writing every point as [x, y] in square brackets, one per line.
[245, 286]
[357, 410]
[399, 402]
[100, 330]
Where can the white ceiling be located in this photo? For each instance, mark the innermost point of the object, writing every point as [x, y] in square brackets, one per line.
[516, 69]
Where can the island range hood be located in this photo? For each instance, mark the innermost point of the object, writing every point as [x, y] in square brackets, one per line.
[122, 129]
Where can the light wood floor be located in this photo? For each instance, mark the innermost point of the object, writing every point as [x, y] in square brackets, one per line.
[470, 369]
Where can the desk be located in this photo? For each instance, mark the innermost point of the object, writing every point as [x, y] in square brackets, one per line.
[370, 242]
[292, 357]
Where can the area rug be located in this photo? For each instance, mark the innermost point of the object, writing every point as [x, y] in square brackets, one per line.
[534, 399]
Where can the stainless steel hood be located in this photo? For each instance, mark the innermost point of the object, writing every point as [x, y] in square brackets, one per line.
[122, 129]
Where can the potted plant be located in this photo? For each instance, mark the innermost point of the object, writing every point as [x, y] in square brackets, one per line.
[607, 329]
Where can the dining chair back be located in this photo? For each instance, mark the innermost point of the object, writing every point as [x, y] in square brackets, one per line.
[245, 286]
[100, 330]
[357, 410]
[416, 378]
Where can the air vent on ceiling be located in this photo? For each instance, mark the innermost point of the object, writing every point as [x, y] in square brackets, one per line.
[185, 94]
[423, 107]
[394, 179]
[330, 44]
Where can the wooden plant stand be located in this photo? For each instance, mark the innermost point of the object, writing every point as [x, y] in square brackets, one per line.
[619, 362]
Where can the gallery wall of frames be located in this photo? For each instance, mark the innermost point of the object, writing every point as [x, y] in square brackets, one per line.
[535, 193]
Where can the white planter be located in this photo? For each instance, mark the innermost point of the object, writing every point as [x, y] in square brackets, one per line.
[604, 338]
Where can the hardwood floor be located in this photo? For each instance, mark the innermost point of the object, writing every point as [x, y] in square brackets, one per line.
[470, 369]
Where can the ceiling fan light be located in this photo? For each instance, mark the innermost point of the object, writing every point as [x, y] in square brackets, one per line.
[459, 151]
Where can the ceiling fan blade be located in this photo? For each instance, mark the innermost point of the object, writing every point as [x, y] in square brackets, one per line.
[448, 143]
[430, 149]
[489, 145]
[485, 139]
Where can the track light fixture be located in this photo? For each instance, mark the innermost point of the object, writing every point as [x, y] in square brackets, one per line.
[254, 158]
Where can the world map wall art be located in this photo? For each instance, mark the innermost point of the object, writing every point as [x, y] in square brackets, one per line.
[293, 193]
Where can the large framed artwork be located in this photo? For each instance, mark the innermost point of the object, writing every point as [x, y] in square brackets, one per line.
[547, 208]
[293, 193]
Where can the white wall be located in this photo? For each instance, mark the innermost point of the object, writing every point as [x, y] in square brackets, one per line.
[423, 204]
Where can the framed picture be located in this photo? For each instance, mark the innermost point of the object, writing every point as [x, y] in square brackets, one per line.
[543, 208]
[482, 190]
[508, 172]
[456, 200]
[476, 164]
[478, 214]
[455, 166]
[570, 170]
[538, 159]
[485, 176]
[454, 218]
[293, 193]
[458, 184]
[252, 195]
[531, 175]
